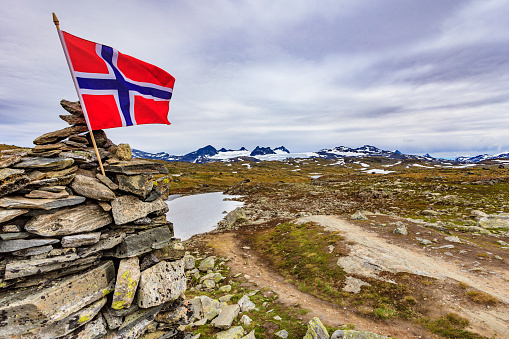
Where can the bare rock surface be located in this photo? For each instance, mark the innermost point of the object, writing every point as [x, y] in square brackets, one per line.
[92, 188]
[128, 208]
[66, 221]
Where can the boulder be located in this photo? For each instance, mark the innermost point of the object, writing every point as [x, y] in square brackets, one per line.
[246, 304]
[92, 188]
[400, 228]
[34, 307]
[66, 221]
[207, 264]
[160, 283]
[358, 216]
[225, 319]
[128, 276]
[316, 330]
[128, 208]
[124, 152]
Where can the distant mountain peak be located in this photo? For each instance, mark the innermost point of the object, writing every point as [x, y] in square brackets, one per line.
[282, 149]
[261, 151]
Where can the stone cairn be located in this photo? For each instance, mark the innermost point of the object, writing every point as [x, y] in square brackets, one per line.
[83, 255]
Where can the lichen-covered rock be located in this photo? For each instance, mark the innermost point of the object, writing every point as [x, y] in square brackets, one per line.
[12, 180]
[226, 317]
[124, 152]
[316, 330]
[160, 283]
[66, 221]
[143, 242]
[128, 276]
[34, 307]
[207, 264]
[246, 304]
[235, 332]
[139, 185]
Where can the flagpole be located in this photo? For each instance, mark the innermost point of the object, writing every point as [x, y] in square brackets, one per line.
[62, 41]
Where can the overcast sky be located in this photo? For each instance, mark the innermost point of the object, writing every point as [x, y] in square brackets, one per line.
[418, 76]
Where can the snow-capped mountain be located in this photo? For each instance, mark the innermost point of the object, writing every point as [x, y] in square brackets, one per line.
[479, 158]
[211, 154]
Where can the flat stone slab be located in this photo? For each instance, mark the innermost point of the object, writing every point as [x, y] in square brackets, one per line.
[225, 319]
[128, 208]
[92, 188]
[41, 194]
[72, 119]
[9, 214]
[135, 167]
[107, 241]
[81, 239]
[73, 107]
[12, 180]
[28, 309]
[20, 244]
[52, 181]
[17, 202]
[160, 283]
[128, 276]
[72, 220]
[143, 242]
[52, 137]
[24, 268]
[49, 164]
[8, 161]
[135, 324]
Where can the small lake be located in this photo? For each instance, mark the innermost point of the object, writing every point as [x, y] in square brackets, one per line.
[200, 213]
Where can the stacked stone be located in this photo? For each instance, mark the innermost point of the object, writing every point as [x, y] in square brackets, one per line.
[86, 255]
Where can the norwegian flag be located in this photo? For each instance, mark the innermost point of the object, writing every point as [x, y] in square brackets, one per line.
[116, 89]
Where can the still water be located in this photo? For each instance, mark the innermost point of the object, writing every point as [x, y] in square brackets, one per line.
[200, 213]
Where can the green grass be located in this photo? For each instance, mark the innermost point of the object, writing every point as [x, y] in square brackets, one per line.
[450, 326]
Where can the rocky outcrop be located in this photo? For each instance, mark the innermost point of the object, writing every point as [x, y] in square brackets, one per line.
[86, 255]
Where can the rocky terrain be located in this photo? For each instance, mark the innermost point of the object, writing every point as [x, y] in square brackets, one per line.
[87, 255]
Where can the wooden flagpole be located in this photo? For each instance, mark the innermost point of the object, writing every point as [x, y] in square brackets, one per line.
[64, 46]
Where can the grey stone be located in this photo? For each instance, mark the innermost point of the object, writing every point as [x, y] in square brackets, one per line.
[174, 251]
[28, 309]
[196, 307]
[136, 166]
[112, 320]
[189, 262]
[108, 241]
[12, 180]
[48, 164]
[139, 185]
[358, 216]
[107, 181]
[495, 221]
[352, 334]
[245, 319]
[400, 228]
[62, 134]
[16, 202]
[33, 251]
[23, 268]
[81, 239]
[430, 213]
[143, 242]
[13, 236]
[179, 314]
[80, 157]
[316, 330]
[208, 284]
[72, 322]
[128, 208]
[66, 221]
[338, 334]
[93, 330]
[454, 239]
[128, 276]
[225, 319]
[207, 264]
[148, 260]
[125, 311]
[424, 241]
[20, 244]
[246, 304]
[92, 188]
[282, 334]
[52, 181]
[135, 324]
[160, 283]
[45, 148]
[354, 285]
[250, 335]
[236, 332]
[9, 214]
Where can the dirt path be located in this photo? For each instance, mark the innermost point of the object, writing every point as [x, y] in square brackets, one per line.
[369, 254]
